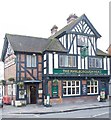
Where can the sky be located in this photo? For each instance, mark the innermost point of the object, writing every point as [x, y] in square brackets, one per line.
[36, 17]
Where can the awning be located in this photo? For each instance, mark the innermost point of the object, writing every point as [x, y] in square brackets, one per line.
[32, 81]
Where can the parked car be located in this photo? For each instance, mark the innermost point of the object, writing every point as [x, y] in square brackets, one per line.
[1, 101]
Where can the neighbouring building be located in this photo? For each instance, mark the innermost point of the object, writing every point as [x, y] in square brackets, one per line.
[67, 65]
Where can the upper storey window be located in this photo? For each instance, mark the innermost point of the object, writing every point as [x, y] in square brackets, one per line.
[95, 62]
[67, 61]
[82, 41]
[31, 61]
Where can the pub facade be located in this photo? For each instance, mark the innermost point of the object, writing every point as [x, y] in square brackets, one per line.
[67, 65]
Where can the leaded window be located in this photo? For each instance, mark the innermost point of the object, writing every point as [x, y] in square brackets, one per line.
[67, 61]
[95, 62]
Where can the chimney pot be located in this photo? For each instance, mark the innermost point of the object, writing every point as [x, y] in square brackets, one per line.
[71, 18]
[54, 30]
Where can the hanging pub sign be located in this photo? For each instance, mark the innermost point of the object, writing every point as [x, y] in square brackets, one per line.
[84, 52]
[80, 71]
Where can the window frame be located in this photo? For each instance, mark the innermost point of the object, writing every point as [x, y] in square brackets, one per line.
[64, 61]
[29, 59]
[71, 86]
[93, 62]
[92, 86]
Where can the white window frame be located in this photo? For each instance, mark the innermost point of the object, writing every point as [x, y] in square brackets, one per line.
[92, 86]
[71, 86]
[93, 62]
[66, 60]
[30, 61]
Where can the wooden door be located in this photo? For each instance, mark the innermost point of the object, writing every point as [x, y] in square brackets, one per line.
[33, 95]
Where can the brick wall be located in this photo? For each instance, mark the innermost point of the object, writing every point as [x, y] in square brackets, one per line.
[10, 72]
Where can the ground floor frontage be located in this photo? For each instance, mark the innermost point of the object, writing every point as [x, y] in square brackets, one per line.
[58, 89]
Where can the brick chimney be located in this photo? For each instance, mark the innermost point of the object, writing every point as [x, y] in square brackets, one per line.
[71, 18]
[54, 30]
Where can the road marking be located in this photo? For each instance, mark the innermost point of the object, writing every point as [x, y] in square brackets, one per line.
[36, 115]
[100, 114]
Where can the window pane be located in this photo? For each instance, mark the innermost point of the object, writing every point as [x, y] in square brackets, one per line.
[77, 90]
[77, 83]
[73, 83]
[64, 83]
[92, 90]
[88, 90]
[33, 61]
[64, 91]
[95, 89]
[95, 82]
[69, 83]
[66, 61]
[69, 90]
[73, 90]
[28, 60]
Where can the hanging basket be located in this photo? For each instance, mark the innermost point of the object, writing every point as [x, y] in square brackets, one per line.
[20, 84]
[22, 92]
[55, 82]
[11, 79]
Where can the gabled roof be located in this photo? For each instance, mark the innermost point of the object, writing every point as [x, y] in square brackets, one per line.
[74, 23]
[20, 43]
[101, 53]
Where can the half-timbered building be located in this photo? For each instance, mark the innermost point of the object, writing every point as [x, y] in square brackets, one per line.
[67, 65]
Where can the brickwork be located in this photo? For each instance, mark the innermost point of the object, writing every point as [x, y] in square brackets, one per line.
[59, 88]
[50, 88]
[10, 72]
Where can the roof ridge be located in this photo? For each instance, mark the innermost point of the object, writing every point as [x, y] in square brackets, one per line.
[25, 36]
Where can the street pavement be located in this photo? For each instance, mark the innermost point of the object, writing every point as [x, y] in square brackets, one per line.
[55, 108]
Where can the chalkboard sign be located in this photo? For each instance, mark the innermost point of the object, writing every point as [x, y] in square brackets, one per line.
[55, 91]
[84, 89]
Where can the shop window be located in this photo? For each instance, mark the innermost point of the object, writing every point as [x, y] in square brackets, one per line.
[92, 87]
[71, 88]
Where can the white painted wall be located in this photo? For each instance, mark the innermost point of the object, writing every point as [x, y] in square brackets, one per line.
[50, 64]
[55, 60]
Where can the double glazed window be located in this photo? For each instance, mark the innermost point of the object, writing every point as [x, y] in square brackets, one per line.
[92, 87]
[95, 62]
[31, 61]
[71, 88]
[67, 61]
